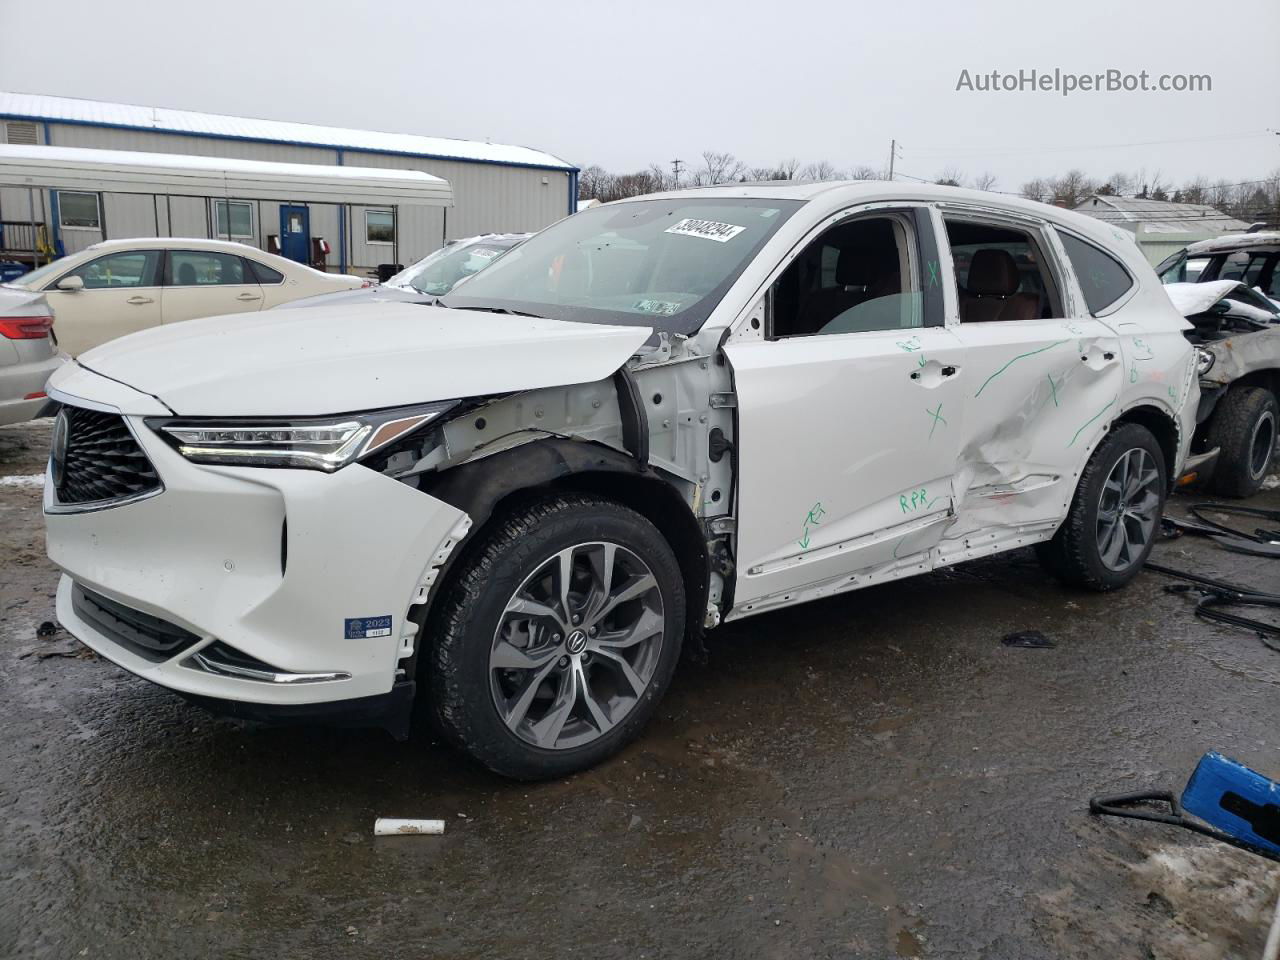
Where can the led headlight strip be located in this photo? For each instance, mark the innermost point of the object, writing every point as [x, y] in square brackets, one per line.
[317, 443]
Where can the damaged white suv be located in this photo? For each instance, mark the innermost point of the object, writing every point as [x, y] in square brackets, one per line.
[517, 503]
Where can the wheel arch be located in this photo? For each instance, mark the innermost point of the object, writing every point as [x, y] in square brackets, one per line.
[1163, 427]
[491, 487]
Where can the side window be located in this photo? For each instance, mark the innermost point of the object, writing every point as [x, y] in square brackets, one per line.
[136, 268]
[1102, 278]
[858, 276]
[263, 273]
[1001, 273]
[200, 268]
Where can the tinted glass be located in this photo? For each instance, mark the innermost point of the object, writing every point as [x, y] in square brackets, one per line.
[240, 223]
[661, 263]
[441, 272]
[78, 209]
[263, 273]
[1101, 277]
[199, 268]
[379, 226]
[135, 268]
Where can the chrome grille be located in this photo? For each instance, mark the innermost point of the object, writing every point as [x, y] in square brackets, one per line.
[100, 460]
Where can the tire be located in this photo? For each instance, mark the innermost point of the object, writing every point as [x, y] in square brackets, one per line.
[1081, 552]
[1244, 427]
[506, 658]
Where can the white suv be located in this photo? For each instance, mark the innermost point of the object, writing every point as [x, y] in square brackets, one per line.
[517, 503]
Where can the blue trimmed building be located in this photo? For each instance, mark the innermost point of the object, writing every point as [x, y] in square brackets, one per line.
[497, 188]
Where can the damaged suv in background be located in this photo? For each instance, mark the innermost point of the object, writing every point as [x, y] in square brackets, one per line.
[1237, 331]
[517, 503]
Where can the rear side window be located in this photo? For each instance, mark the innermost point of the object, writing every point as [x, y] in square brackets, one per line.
[264, 273]
[1101, 277]
[200, 268]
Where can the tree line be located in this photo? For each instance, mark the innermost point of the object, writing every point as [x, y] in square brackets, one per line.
[1249, 200]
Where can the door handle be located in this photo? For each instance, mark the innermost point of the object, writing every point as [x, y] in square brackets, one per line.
[138, 301]
[249, 296]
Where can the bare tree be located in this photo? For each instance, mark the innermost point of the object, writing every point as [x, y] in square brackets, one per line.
[821, 170]
[1071, 189]
[719, 168]
[950, 177]
[985, 181]
[866, 173]
[1036, 189]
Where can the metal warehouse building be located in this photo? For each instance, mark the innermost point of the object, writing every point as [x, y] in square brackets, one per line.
[496, 188]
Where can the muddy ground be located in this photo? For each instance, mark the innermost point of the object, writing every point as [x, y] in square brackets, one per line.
[868, 776]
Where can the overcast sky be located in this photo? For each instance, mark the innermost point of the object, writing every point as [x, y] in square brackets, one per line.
[625, 85]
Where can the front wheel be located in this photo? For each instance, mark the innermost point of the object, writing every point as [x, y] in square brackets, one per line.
[1243, 427]
[557, 638]
[1115, 513]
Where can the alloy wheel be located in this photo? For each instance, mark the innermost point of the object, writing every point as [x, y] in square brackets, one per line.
[1128, 509]
[1262, 445]
[577, 645]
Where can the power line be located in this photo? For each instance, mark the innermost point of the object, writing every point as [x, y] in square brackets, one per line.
[982, 151]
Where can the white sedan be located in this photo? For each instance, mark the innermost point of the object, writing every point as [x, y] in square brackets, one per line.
[119, 287]
[518, 501]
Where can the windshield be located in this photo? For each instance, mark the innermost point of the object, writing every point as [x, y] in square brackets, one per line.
[39, 275]
[441, 271]
[660, 263]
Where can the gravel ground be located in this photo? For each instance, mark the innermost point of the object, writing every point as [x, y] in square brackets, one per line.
[873, 775]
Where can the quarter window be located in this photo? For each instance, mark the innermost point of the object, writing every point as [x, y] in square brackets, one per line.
[200, 268]
[379, 226]
[1001, 273]
[79, 211]
[264, 273]
[135, 268]
[1102, 279]
[234, 219]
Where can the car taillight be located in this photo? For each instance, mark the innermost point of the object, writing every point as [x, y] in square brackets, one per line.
[25, 328]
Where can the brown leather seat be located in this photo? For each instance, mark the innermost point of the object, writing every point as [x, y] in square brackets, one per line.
[992, 290]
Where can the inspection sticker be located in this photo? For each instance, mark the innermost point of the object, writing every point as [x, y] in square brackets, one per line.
[362, 628]
[707, 229]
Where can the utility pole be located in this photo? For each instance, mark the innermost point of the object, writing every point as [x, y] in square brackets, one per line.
[893, 153]
[675, 171]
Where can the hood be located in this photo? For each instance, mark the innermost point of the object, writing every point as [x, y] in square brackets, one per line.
[341, 359]
[1193, 298]
[359, 295]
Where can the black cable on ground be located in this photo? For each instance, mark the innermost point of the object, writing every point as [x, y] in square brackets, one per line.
[1217, 595]
[1127, 806]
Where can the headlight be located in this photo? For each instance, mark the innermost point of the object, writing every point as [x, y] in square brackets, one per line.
[1204, 361]
[316, 443]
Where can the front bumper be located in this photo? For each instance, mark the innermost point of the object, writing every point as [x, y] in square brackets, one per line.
[283, 566]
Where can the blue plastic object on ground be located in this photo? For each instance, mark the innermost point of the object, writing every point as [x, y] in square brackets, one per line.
[1236, 800]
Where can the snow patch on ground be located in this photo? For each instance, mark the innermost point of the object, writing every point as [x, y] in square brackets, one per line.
[33, 480]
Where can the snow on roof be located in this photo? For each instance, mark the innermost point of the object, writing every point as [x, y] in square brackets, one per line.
[40, 107]
[1159, 216]
[128, 171]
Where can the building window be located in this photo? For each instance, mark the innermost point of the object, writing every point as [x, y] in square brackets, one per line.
[234, 218]
[379, 226]
[79, 211]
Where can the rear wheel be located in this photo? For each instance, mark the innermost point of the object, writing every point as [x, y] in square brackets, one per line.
[1111, 526]
[558, 638]
[1243, 427]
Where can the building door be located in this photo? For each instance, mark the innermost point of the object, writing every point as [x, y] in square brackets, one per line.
[295, 233]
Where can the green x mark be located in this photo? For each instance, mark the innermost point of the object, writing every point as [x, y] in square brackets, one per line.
[937, 418]
[933, 273]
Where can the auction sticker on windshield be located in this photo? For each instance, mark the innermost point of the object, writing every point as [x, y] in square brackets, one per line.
[707, 229]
